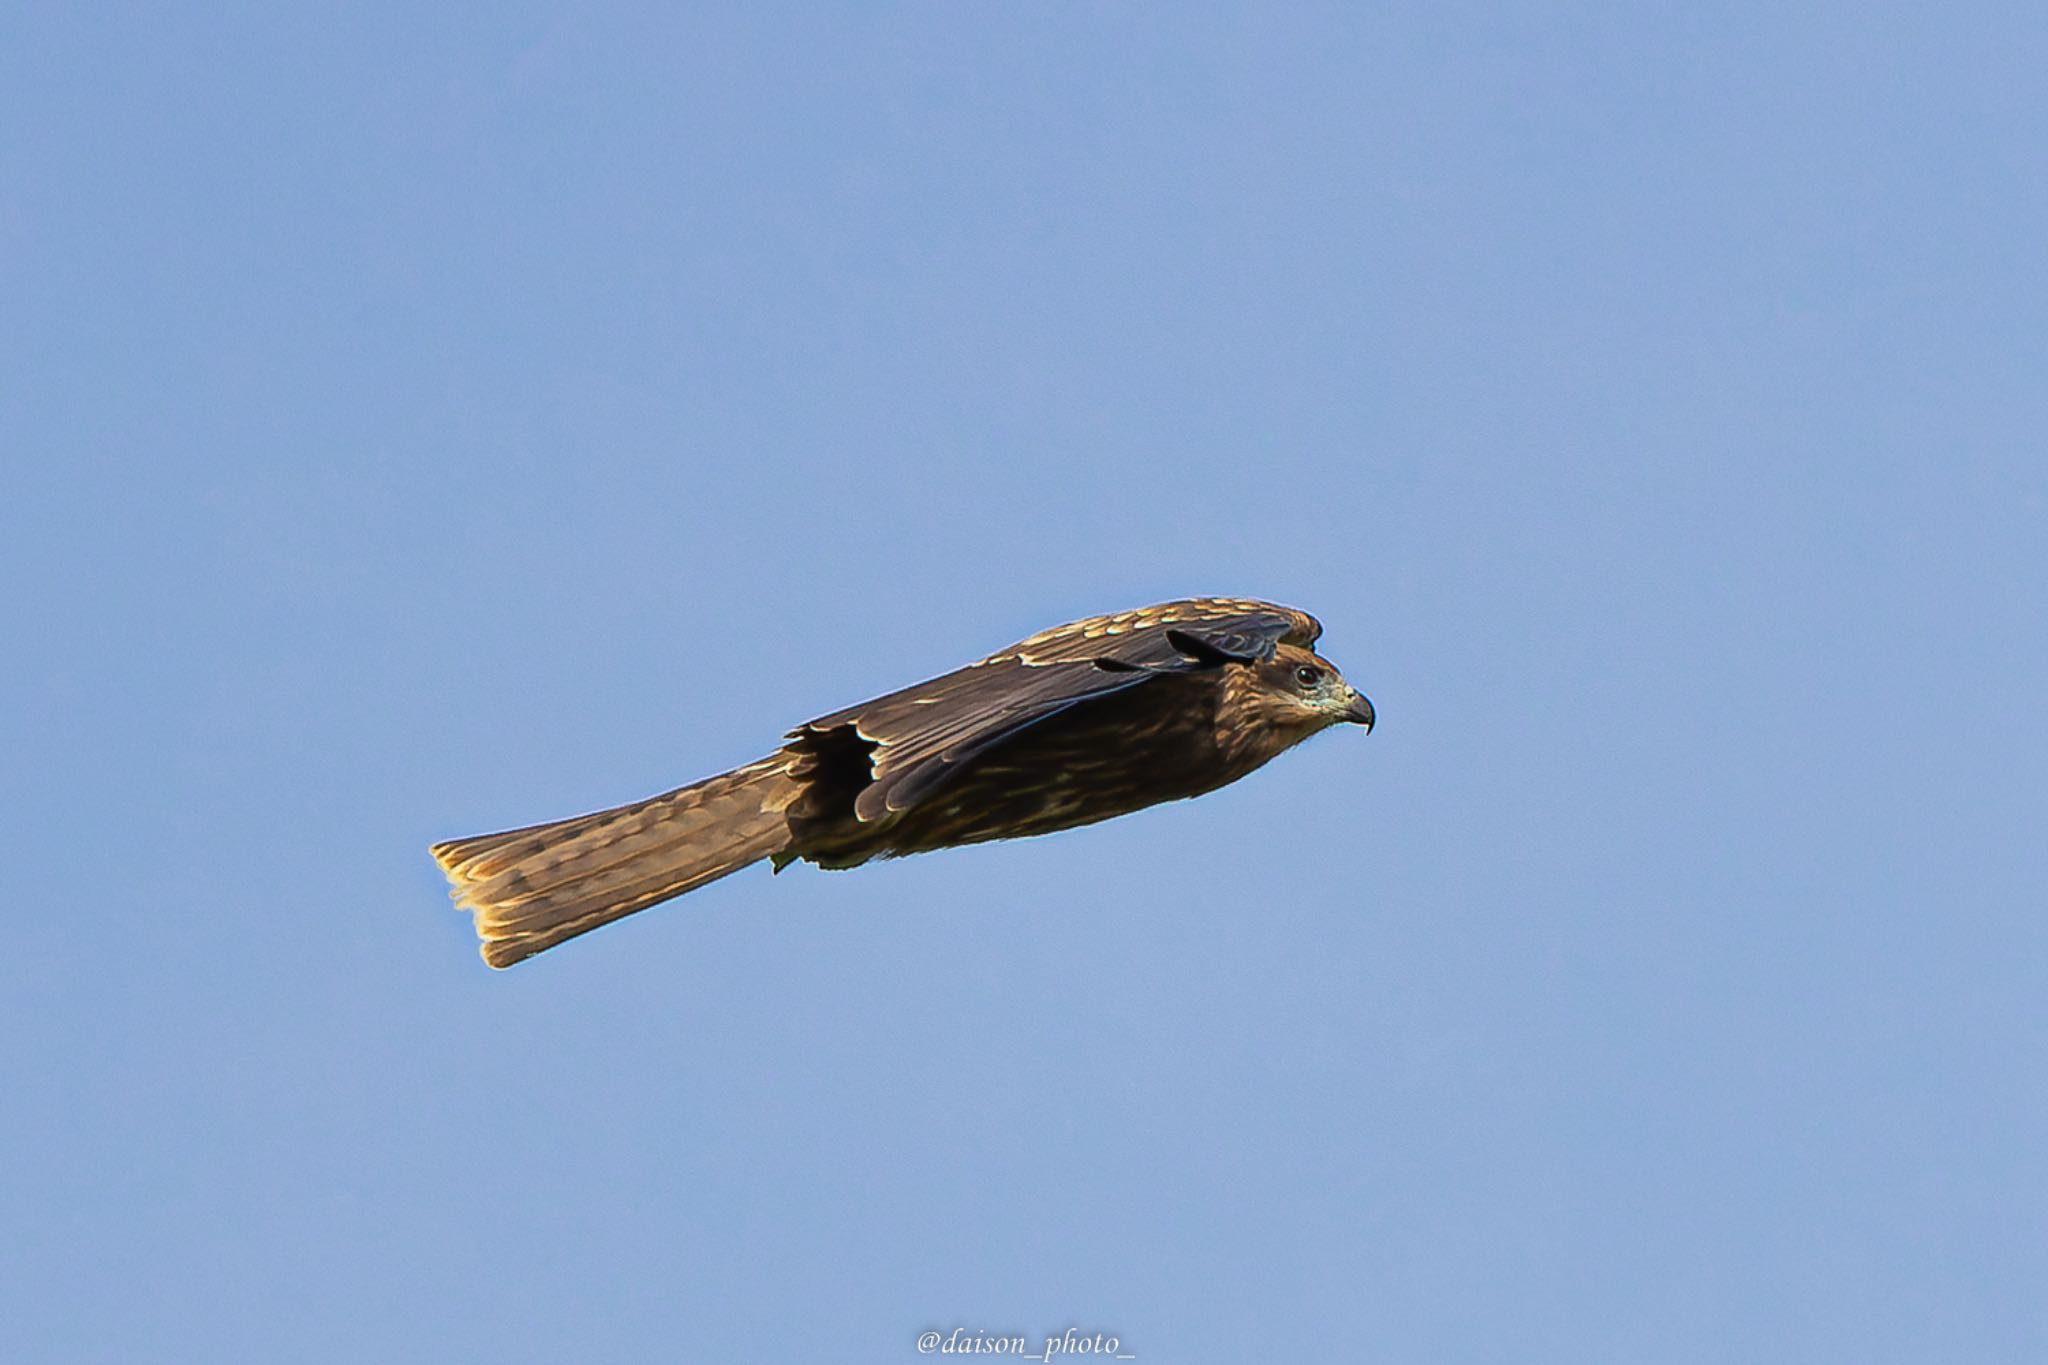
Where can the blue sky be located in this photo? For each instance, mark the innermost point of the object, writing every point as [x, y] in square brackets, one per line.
[426, 421]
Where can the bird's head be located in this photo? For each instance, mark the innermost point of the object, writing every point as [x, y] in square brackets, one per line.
[1296, 693]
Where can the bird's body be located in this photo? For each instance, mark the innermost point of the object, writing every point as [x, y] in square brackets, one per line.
[1077, 724]
[1119, 754]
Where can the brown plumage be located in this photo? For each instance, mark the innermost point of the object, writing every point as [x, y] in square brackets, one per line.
[1076, 724]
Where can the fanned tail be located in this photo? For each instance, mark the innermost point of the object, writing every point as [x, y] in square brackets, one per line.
[531, 888]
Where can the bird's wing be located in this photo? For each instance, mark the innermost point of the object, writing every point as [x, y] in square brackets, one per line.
[927, 734]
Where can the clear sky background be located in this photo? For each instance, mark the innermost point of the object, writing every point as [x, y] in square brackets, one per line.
[423, 420]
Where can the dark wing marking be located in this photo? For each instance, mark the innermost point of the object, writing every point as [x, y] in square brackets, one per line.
[927, 734]
[1219, 647]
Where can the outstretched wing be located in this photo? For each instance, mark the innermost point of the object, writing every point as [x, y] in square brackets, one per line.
[925, 735]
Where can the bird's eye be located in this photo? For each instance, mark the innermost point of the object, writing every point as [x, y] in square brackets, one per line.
[1308, 677]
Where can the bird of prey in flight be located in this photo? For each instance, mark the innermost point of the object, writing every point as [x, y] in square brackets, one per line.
[1076, 724]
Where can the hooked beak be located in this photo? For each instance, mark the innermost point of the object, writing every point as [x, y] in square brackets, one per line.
[1359, 711]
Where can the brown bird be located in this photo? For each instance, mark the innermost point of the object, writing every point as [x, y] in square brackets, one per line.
[1076, 724]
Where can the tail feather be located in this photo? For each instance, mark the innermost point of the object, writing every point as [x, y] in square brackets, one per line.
[531, 888]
